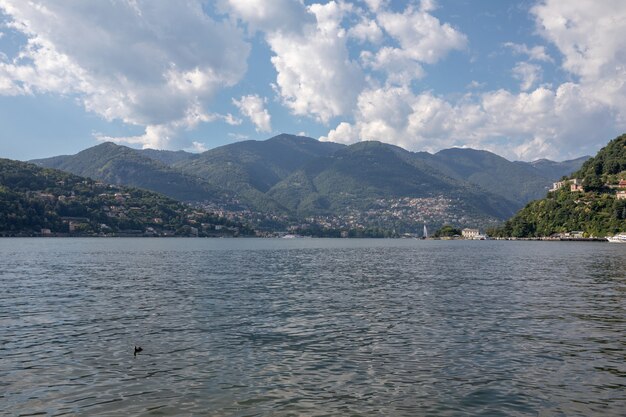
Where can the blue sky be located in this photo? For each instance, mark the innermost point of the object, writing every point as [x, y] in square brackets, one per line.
[525, 79]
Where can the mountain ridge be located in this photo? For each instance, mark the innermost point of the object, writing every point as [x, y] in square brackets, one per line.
[294, 176]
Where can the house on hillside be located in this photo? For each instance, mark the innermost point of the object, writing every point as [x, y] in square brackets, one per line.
[575, 185]
[620, 195]
[556, 186]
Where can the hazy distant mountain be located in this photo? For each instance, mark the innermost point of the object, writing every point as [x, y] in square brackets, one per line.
[125, 166]
[301, 176]
[516, 182]
[556, 170]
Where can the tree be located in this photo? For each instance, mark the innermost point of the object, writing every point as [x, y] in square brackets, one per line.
[447, 231]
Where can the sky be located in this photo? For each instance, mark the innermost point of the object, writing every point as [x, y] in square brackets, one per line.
[524, 79]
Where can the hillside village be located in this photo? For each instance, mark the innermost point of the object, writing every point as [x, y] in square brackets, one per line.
[43, 202]
[400, 216]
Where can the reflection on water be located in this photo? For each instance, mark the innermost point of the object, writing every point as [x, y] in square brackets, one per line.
[311, 327]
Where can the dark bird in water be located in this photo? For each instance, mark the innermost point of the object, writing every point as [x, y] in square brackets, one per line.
[138, 349]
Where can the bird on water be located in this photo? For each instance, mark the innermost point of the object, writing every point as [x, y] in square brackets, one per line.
[138, 349]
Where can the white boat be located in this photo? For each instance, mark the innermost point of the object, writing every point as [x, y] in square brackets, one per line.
[618, 238]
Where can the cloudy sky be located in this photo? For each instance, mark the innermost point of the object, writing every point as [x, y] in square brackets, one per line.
[525, 79]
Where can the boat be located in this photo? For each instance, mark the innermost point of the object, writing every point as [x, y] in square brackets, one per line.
[618, 238]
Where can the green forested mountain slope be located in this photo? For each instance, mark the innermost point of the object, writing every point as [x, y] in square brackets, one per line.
[167, 157]
[356, 176]
[516, 182]
[519, 182]
[296, 176]
[34, 198]
[596, 211]
[256, 164]
[125, 166]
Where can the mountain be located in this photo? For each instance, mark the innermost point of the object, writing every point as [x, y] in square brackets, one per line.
[596, 210]
[375, 177]
[517, 182]
[557, 170]
[251, 168]
[36, 201]
[167, 157]
[125, 166]
[259, 164]
[291, 177]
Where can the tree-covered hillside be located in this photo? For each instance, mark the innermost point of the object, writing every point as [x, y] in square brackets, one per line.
[288, 180]
[596, 210]
[121, 165]
[35, 201]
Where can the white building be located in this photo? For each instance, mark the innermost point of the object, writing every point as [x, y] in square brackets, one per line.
[470, 233]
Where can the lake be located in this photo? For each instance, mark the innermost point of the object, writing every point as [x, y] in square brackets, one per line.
[312, 327]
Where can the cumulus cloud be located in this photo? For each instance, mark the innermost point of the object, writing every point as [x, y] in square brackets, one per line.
[158, 64]
[275, 16]
[253, 107]
[420, 38]
[148, 63]
[528, 74]
[539, 123]
[315, 74]
[366, 31]
[568, 120]
[590, 35]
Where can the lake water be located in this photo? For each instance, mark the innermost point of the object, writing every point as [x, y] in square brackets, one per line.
[312, 327]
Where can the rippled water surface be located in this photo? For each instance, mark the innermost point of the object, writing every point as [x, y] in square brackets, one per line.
[244, 327]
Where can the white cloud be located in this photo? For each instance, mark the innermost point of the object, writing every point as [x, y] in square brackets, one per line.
[198, 147]
[421, 39]
[158, 64]
[590, 35]
[148, 63]
[529, 125]
[238, 136]
[376, 5]
[536, 53]
[253, 107]
[421, 36]
[167, 135]
[274, 16]
[528, 74]
[366, 31]
[315, 75]
[568, 120]
[428, 5]
[475, 85]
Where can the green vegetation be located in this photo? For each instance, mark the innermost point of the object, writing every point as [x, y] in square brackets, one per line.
[120, 165]
[358, 176]
[447, 231]
[607, 167]
[288, 179]
[36, 201]
[596, 211]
